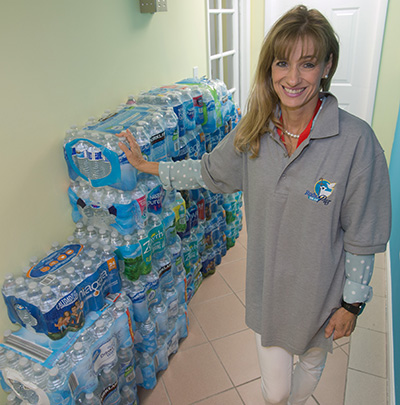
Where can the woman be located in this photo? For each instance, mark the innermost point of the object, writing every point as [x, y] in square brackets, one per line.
[317, 204]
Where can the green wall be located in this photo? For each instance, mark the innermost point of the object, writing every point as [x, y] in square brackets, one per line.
[388, 91]
[62, 62]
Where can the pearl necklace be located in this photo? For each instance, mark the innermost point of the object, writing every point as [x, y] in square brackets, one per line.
[290, 134]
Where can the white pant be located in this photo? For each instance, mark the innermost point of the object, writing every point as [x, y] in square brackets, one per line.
[281, 385]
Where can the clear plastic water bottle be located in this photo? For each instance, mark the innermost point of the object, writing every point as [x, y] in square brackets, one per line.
[21, 288]
[180, 284]
[131, 252]
[105, 346]
[57, 387]
[200, 136]
[187, 99]
[175, 101]
[171, 132]
[161, 354]
[48, 299]
[193, 144]
[159, 314]
[66, 287]
[109, 387]
[126, 366]
[64, 363]
[162, 265]
[12, 399]
[90, 399]
[147, 336]
[128, 396]
[121, 325]
[145, 243]
[148, 371]
[156, 233]
[197, 97]
[73, 275]
[25, 368]
[157, 139]
[170, 297]
[151, 282]
[143, 139]
[155, 193]
[40, 376]
[82, 368]
[182, 322]
[137, 294]
[103, 237]
[9, 285]
[79, 231]
[91, 234]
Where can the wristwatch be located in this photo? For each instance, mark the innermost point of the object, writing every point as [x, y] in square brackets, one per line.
[354, 309]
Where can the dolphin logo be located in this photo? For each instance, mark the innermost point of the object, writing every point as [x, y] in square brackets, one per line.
[323, 188]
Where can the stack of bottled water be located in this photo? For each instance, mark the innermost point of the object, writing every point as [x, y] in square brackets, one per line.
[96, 366]
[56, 293]
[113, 298]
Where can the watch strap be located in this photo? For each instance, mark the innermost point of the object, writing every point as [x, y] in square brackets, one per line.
[356, 310]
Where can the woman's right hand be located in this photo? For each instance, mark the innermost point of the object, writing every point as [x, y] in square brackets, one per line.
[134, 154]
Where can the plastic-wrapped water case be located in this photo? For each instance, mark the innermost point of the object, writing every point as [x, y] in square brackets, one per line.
[47, 372]
[93, 161]
[62, 304]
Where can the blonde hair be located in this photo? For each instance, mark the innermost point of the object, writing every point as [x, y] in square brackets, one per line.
[297, 24]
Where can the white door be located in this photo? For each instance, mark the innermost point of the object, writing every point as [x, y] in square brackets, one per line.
[360, 27]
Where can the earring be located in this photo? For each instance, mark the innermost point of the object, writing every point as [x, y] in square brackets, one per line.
[326, 76]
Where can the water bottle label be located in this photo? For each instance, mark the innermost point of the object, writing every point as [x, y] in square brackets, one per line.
[105, 355]
[54, 261]
[110, 395]
[158, 146]
[145, 243]
[132, 256]
[149, 377]
[157, 237]
[193, 147]
[155, 198]
[201, 209]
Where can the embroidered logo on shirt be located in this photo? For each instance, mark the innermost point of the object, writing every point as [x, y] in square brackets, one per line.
[322, 190]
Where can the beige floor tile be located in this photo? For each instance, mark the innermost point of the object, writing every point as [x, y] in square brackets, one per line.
[238, 354]
[221, 316]
[365, 389]
[156, 396]
[195, 336]
[368, 352]
[378, 282]
[251, 393]
[331, 388]
[311, 401]
[374, 315]
[212, 286]
[243, 238]
[242, 296]
[235, 253]
[230, 397]
[195, 374]
[234, 274]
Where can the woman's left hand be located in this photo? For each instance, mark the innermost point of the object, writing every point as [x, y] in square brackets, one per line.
[342, 323]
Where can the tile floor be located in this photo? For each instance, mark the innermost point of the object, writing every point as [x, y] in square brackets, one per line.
[217, 363]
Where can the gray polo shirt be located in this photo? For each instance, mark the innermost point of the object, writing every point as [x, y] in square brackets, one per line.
[302, 213]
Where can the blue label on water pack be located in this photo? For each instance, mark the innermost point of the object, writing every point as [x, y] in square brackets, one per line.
[54, 261]
[155, 199]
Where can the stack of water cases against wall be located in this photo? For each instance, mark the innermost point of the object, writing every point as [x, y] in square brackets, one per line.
[102, 312]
